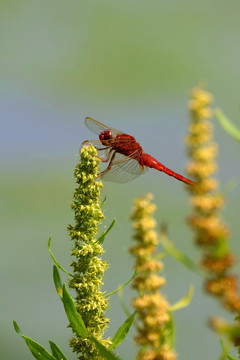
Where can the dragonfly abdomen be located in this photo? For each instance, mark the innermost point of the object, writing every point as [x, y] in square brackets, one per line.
[149, 161]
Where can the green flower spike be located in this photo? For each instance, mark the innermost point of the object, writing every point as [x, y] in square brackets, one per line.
[88, 267]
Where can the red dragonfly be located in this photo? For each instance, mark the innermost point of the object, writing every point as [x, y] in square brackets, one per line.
[126, 158]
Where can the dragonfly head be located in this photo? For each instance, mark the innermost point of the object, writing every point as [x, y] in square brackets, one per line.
[106, 137]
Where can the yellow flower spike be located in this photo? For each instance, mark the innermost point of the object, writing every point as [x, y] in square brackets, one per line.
[211, 234]
[152, 308]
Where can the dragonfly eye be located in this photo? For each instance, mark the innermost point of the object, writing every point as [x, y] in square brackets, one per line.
[105, 135]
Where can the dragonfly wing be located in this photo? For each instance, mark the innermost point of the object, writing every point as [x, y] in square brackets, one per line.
[96, 143]
[102, 152]
[124, 169]
[98, 127]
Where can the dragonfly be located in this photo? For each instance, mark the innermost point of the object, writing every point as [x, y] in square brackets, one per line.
[124, 155]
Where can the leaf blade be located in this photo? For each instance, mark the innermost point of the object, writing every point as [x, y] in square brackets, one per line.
[170, 331]
[122, 331]
[122, 286]
[101, 238]
[37, 350]
[56, 351]
[184, 301]
[106, 353]
[179, 256]
[55, 260]
[57, 281]
[227, 125]
[73, 315]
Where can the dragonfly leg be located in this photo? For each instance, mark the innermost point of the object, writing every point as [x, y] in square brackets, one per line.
[110, 163]
[99, 149]
[108, 155]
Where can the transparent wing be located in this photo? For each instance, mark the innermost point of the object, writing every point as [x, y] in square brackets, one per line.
[124, 169]
[96, 143]
[98, 127]
[102, 151]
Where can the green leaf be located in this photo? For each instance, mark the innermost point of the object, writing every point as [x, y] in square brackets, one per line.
[160, 256]
[179, 256]
[104, 200]
[227, 125]
[73, 316]
[185, 301]
[225, 349]
[122, 286]
[102, 236]
[54, 259]
[57, 353]
[57, 281]
[38, 351]
[170, 331]
[122, 303]
[122, 332]
[106, 353]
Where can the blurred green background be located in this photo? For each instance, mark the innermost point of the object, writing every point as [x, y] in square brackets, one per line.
[131, 65]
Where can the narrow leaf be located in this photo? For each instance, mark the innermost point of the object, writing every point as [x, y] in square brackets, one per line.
[227, 125]
[73, 316]
[102, 236]
[170, 331]
[104, 200]
[106, 353]
[122, 286]
[54, 259]
[225, 349]
[16, 327]
[36, 349]
[161, 255]
[179, 256]
[185, 301]
[230, 357]
[57, 281]
[122, 332]
[57, 353]
[122, 303]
